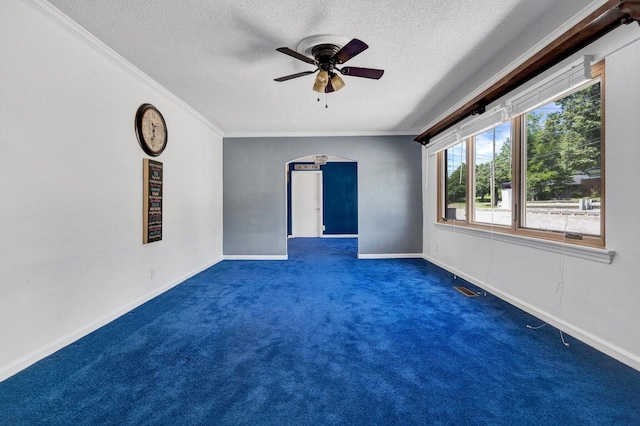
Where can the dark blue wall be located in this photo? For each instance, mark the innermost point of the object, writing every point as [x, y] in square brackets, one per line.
[339, 195]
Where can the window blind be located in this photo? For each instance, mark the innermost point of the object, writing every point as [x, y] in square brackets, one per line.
[484, 122]
[553, 87]
[472, 127]
[444, 141]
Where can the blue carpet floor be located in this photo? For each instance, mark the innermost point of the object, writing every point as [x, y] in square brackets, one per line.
[323, 339]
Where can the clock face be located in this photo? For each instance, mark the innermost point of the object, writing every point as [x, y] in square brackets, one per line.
[151, 130]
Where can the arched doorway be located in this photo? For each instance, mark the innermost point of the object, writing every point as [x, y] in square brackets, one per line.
[324, 182]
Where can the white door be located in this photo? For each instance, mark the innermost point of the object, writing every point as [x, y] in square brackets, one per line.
[306, 204]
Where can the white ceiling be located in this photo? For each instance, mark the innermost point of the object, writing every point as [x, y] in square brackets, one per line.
[219, 56]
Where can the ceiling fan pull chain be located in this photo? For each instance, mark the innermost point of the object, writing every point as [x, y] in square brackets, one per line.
[325, 100]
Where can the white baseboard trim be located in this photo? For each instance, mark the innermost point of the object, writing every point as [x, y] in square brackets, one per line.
[339, 236]
[592, 340]
[390, 256]
[256, 257]
[41, 353]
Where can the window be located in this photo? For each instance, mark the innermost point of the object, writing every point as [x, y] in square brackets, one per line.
[456, 182]
[562, 165]
[540, 174]
[492, 180]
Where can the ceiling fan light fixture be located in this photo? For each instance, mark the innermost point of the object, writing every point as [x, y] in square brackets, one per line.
[337, 82]
[322, 79]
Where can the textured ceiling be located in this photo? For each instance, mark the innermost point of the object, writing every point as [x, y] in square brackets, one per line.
[219, 55]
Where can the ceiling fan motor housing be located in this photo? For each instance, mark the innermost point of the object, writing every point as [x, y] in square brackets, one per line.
[323, 54]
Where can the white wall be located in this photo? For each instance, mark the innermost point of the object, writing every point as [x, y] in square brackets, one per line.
[71, 252]
[599, 303]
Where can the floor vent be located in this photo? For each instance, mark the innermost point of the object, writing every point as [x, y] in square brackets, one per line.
[465, 291]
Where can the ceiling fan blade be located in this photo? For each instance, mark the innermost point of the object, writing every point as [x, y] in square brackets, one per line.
[289, 77]
[297, 55]
[350, 50]
[362, 72]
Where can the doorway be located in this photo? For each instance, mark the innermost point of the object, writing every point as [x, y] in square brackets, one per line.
[337, 197]
[306, 204]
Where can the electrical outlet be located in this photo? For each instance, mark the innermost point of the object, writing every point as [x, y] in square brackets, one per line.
[153, 273]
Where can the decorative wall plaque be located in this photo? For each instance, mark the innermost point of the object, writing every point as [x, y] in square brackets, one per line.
[306, 167]
[152, 201]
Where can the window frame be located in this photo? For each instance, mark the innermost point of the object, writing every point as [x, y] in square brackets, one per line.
[472, 207]
[518, 205]
[443, 188]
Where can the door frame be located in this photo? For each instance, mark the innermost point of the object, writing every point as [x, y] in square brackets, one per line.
[317, 182]
[306, 159]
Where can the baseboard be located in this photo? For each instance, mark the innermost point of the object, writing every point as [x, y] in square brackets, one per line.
[390, 256]
[339, 236]
[35, 356]
[256, 257]
[584, 336]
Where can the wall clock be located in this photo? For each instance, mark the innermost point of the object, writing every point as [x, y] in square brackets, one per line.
[151, 130]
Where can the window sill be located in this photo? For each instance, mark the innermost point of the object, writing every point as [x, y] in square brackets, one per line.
[582, 252]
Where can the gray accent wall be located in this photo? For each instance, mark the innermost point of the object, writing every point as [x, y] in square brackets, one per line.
[389, 191]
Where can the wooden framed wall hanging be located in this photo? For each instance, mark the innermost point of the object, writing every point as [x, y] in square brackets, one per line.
[152, 201]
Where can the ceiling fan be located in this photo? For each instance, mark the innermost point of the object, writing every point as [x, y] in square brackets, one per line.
[327, 55]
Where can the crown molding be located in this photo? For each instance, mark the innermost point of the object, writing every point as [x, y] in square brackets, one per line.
[318, 134]
[73, 28]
